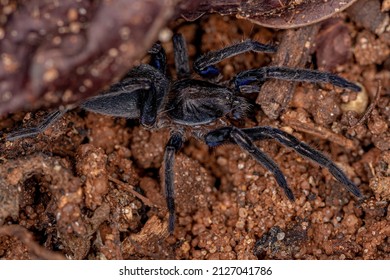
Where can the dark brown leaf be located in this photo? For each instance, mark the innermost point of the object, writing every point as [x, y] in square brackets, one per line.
[333, 44]
[274, 13]
[60, 53]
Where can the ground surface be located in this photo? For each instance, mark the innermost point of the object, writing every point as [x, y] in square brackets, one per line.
[89, 187]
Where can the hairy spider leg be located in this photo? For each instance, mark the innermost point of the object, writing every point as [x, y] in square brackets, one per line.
[148, 107]
[158, 58]
[181, 57]
[260, 75]
[218, 137]
[93, 104]
[34, 131]
[120, 100]
[174, 144]
[288, 140]
[239, 137]
[139, 94]
[204, 65]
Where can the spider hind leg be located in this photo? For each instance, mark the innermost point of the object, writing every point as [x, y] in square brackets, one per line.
[34, 131]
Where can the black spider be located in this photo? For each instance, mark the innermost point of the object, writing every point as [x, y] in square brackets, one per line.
[201, 108]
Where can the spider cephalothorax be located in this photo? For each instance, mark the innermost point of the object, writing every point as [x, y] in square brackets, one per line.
[197, 104]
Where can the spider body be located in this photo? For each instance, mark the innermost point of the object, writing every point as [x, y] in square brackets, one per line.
[203, 107]
[197, 102]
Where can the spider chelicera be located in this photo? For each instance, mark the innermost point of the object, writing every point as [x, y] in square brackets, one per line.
[201, 108]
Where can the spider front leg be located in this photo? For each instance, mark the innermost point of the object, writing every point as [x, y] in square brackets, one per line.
[204, 65]
[217, 137]
[181, 57]
[239, 137]
[158, 58]
[288, 140]
[256, 77]
[174, 144]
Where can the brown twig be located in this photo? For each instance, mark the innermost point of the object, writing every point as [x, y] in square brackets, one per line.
[319, 132]
[372, 106]
[293, 51]
[130, 188]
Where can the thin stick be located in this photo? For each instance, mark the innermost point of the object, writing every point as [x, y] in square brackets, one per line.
[130, 188]
[372, 105]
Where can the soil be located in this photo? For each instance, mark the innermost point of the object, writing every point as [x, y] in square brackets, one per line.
[89, 186]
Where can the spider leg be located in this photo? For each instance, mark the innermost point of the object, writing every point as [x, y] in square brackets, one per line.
[117, 102]
[239, 137]
[158, 58]
[121, 100]
[216, 137]
[204, 65]
[148, 107]
[140, 94]
[288, 140]
[34, 131]
[260, 75]
[181, 57]
[174, 144]
[96, 104]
